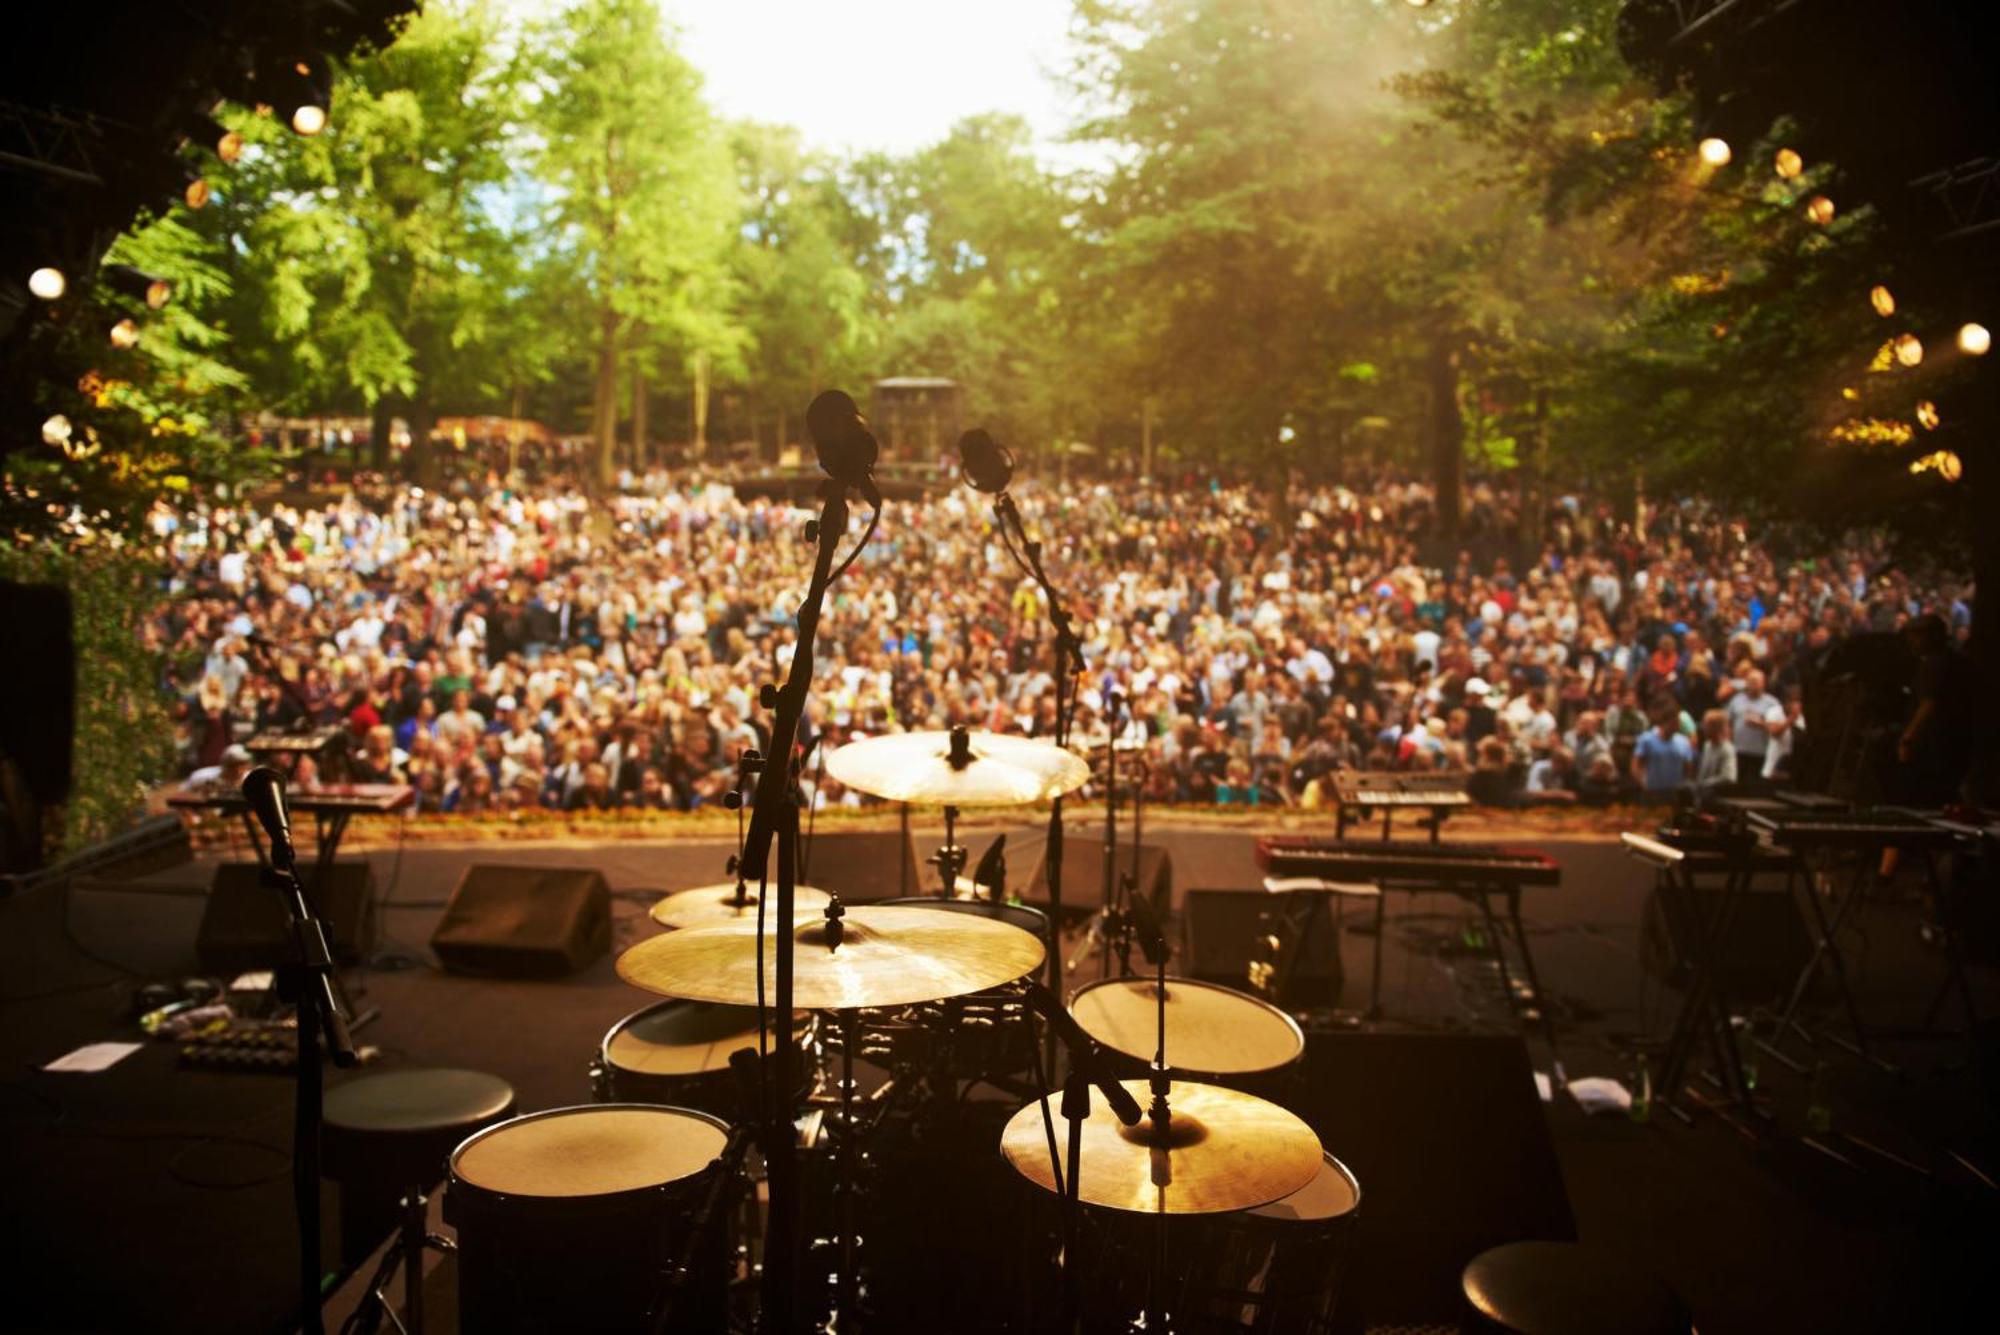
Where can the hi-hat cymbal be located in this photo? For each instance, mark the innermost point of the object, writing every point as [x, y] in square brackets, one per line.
[1001, 770]
[717, 903]
[886, 957]
[1224, 1150]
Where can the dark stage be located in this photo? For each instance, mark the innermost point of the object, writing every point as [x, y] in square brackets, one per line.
[155, 1198]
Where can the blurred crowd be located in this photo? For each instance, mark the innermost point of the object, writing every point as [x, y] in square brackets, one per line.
[503, 649]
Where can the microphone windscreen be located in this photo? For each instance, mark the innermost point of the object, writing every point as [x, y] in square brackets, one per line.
[987, 464]
[840, 436]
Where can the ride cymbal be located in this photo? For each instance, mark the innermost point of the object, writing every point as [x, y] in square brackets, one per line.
[1224, 1150]
[718, 903]
[886, 957]
[988, 770]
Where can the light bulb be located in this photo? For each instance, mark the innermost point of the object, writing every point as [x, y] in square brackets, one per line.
[1974, 338]
[48, 283]
[1882, 299]
[309, 120]
[1909, 350]
[1820, 210]
[230, 147]
[57, 430]
[1715, 152]
[1789, 164]
[1927, 415]
[197, 192]
[125, 333]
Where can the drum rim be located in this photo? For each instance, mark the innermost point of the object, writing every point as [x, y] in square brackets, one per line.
[803, 1021]
[453, 1179]
[1069, 1003]
[1351, 1213]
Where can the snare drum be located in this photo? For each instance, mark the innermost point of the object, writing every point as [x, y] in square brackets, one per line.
[1212, 1031]
[1277, 1267]
[676, 1053]
[568, 1219]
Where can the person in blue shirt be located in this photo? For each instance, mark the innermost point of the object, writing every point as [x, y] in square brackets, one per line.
[1662, 758]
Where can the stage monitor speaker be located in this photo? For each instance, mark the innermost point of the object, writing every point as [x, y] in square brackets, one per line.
[524, 922]
[245, 924]
[1766, 949]
[1451, 1146]
[861, 866]
[1083, 875]
[1221, 933]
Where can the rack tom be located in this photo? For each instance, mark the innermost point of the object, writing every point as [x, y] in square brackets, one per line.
[568, 1220]
[676, 1053]
[1278, 1267]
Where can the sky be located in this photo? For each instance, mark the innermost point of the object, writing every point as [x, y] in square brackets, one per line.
[894, 75]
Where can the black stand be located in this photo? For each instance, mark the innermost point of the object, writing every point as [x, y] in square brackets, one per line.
[308, 984]
[775, 818]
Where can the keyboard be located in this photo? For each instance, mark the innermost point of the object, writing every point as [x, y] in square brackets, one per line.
[1443, 865]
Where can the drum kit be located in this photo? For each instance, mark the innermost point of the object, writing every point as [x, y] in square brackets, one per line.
[1215, 1209]
[1207, 1208]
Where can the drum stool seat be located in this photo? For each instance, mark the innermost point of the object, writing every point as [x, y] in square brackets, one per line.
[1568, 1288]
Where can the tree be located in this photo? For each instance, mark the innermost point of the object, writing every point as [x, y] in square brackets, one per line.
[639, 190]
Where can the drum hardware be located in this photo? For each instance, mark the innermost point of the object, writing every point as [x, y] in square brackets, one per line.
[744, 1067]
[413, 1238]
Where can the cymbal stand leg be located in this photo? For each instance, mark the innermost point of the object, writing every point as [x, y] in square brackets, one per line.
[1076, 1111]
[850, 1038]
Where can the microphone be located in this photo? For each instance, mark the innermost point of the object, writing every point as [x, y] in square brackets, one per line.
[264, 790]
[841, 438]
[1083, 1057]
[992, 872]
[988, 465]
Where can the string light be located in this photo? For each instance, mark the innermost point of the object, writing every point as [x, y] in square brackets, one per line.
[197, 192]
[1883, 300]
[1715, 152]
[48, 283]
[1974, 338]
[57, 430]
[125, 333]
[1944, 463]
[1789, 164]
[1820, 210]
[1927, 415]
[1909, 350]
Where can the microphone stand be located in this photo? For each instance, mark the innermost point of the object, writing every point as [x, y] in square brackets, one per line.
[1069, 660]
[308, 983]
[775, 818]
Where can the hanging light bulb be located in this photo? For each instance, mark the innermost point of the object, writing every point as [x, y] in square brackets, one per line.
[1715, 152]
[48, 283]
[1882, 299]
[139, 285]
[1974, 338]
[197, 192]
[230, 147]
[125, 334]
[57, 430]
[1909, 350]
[1820, 210]
[1927, 415]
[1789, 164]
[309, 120]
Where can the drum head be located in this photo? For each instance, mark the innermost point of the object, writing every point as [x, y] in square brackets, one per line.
[685, 1038]
[595, 1151]
[1332, 1193]
[1211, 1030]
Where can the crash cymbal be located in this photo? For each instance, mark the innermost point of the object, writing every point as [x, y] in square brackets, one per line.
[1224, 1150]
[886, 957]
[995, 769]
[717, 903]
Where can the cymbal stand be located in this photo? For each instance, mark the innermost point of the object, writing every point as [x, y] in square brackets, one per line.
[1113, 910]
[775, 820]
[950, 859]
[1162, 1118]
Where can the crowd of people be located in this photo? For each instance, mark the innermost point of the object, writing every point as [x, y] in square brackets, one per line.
[502, 649]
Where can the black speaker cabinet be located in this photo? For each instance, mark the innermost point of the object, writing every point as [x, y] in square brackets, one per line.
[862, 866]
[1222, 931]
[1083, 875]
[245, 924]
[525, 922]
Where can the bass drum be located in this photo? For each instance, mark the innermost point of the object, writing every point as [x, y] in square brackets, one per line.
[1277, 1268]
[676, 1053]
[567, 1220]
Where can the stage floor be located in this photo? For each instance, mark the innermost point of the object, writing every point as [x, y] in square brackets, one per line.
[154, 1198]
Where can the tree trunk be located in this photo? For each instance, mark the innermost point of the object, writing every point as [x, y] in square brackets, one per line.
[423, 459]
[1146, 438]
[641, 452]
[1534, 473]
[380, 420]
[604, 426]
[701, 405]
[1447, 432]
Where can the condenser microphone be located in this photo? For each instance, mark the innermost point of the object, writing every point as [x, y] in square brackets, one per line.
[842, 440]
[988, 465]
[264, 790]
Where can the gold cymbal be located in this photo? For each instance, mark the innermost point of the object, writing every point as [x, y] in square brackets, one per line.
[717, 903]
[886, 957]
[1002, 771]
[1225, 1150]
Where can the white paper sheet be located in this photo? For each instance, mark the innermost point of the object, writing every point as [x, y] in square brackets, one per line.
[93, 1057]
